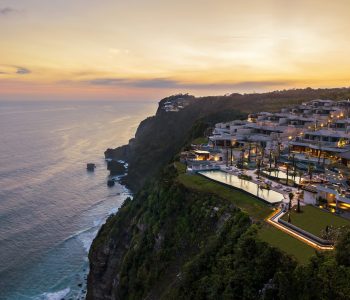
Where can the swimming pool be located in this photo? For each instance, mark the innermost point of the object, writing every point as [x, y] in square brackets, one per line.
[269, 196]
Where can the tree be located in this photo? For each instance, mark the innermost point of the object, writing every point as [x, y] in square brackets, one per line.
[227, 156]
[287, 174]
[262, 155]
[294, 168]
[259, 166]
[241, 159]
[310, 170]
[291, 196]
[270, 159]
[298, 207]
[300, 174]
[342, 249]
[319, 153]
[249, 151]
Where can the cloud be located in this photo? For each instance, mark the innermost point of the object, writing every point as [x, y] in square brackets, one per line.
[167, 83]
[7, 11]
[14, 70]
[23, 71]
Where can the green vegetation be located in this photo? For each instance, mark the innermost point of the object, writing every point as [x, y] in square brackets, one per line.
[180, 167]
[200, 140]
[315, 220]
[180, 242]
[231, 266]
[167, 230]
[275, 237]
[245, 177]
[252, 206]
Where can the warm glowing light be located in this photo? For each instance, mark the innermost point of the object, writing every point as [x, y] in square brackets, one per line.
[138, 50]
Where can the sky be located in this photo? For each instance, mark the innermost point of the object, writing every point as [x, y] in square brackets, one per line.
[148, 49]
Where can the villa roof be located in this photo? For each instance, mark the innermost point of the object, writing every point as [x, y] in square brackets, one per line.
[327, 132]
[269, 128]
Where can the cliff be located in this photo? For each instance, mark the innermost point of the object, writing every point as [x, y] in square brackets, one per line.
[161, 244]
[174, 242]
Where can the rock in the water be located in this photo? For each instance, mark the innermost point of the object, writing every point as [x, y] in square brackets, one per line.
[115, 167]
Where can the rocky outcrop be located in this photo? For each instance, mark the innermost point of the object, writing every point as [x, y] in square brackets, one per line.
[116, 167]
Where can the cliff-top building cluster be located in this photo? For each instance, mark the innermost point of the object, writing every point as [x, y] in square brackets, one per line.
[308, 145]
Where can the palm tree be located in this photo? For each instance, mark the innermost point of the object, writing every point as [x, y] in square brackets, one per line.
[291, 196]
[270, 159]
[275, 157]
[241, 159]
[262, 155]
[294, 168]
[319, 152]
[287, 174]
[249, 150]
[259, 166]
[310, 170]
[279, 149]
[298, 207]
[300, 173]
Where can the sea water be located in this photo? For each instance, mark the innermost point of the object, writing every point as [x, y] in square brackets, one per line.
[50, 206]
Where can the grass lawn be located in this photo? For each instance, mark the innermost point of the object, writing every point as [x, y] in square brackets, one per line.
[252, 206]
[314, 220]
[180, 167]
[200, 140]
[292, 246]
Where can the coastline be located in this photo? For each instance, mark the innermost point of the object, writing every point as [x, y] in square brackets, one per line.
[52, 208]
[79, 290]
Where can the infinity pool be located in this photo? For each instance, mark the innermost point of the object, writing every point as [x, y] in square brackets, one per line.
[245, 185]
[283, 175]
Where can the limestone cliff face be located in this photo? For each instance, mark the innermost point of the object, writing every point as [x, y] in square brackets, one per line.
[140, 251]
[106, 256]
[170, 242]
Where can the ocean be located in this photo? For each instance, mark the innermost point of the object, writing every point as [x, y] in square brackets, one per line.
[50, 206]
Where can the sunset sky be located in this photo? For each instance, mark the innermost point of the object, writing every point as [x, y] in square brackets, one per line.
[147, 49]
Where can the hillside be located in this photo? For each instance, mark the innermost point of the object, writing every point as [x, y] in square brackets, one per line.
[179, 238]
[172, 242]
